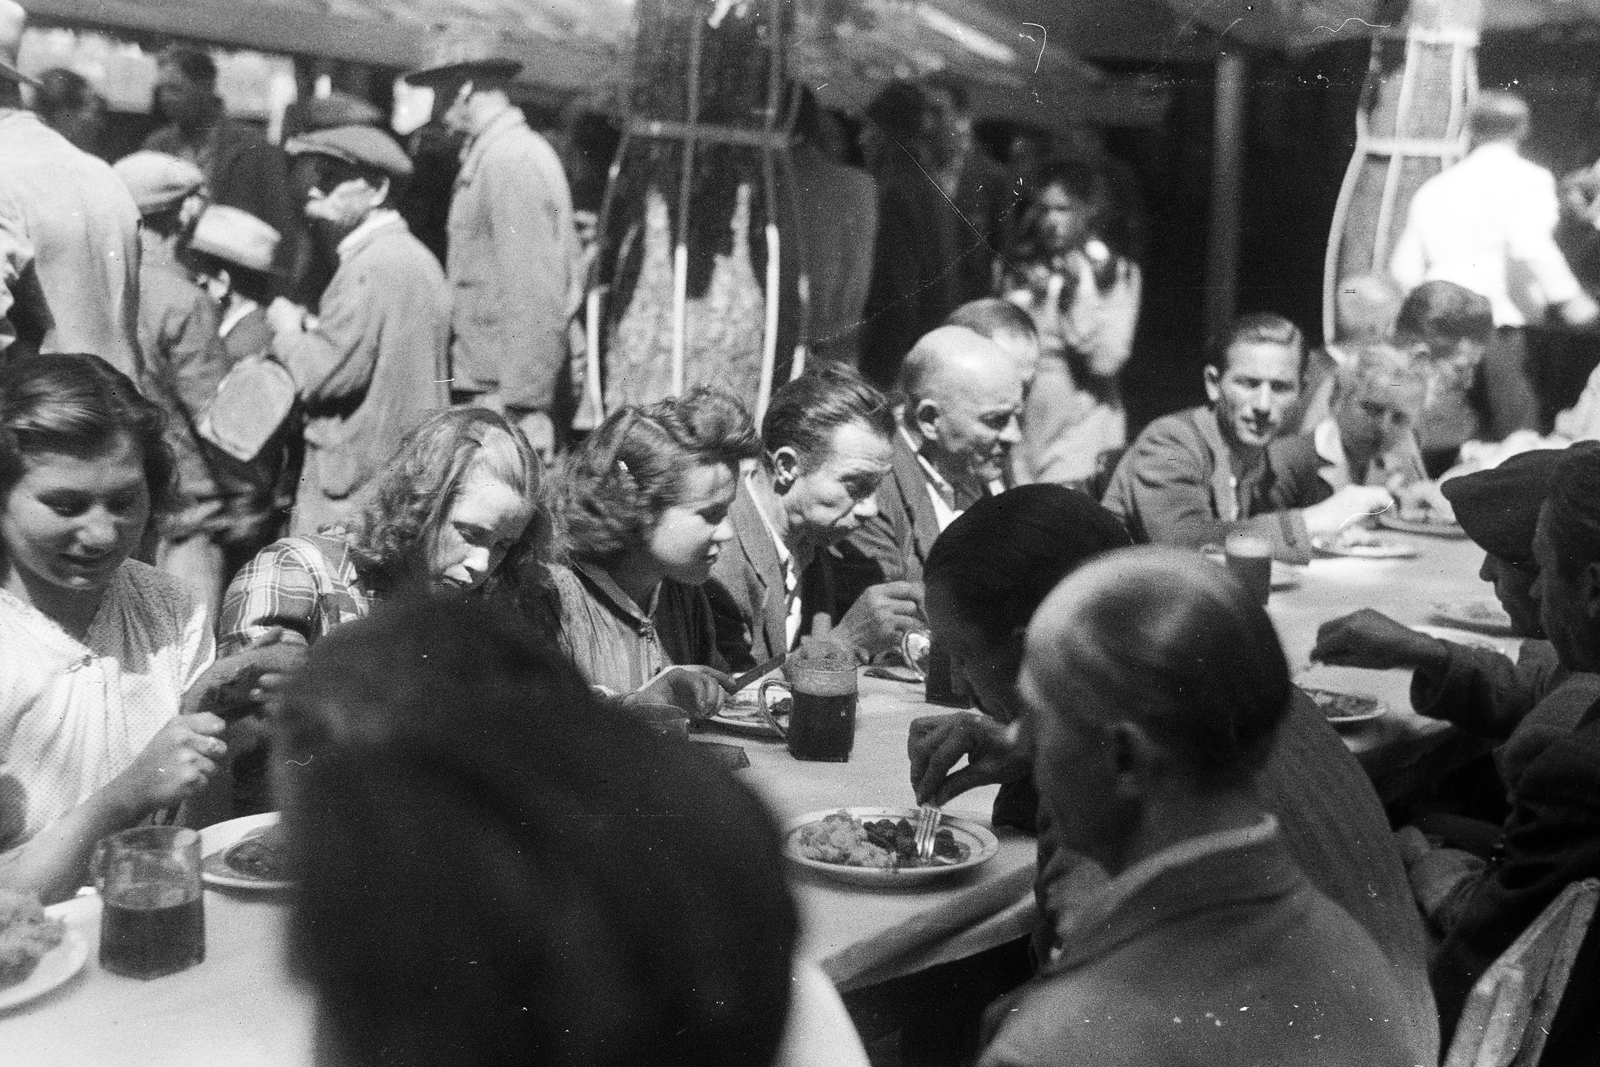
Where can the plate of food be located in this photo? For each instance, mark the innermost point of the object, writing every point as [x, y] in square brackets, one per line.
[1346, 709]
[1421, 521]
[873, 846]
[244, 853]
[38, 951]
[1483, 614]
[1362, 543]
[741, 716]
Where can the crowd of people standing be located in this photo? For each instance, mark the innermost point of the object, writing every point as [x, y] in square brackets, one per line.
[271, 475]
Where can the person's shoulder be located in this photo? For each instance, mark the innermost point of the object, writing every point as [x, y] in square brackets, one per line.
[144, 590]
[1180, 427]
[1569, 767]
[1073, 1017]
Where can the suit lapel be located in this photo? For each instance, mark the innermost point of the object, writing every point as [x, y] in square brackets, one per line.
[913, 488]
[762, 564]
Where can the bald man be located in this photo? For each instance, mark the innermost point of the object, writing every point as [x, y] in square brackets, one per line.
[963, 397]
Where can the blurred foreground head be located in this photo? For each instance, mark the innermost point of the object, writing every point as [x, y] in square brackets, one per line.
[1155, 685]
[496, 870]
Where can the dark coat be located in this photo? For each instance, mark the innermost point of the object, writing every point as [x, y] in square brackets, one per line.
[1552, 838]
[1172, 487]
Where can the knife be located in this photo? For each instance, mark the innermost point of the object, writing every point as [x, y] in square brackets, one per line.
[755, 672]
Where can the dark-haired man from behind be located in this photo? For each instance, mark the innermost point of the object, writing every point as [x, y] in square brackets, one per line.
[1193, 477]
[1208, 944]
[825, 448]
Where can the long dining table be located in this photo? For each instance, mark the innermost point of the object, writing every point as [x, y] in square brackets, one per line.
[243, 1007]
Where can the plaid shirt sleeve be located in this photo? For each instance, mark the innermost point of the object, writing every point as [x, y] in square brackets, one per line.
[278, 588]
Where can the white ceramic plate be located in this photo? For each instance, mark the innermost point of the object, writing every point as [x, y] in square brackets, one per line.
[217, 839]
[1378, 548]
[980, 842]
[1432, 527]
[1377, 709]
[54, 967]
[1485, 614]
[739, 716]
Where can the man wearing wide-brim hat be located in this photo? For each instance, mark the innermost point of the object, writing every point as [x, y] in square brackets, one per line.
[69, 234]
[513, 259]
[373, 364]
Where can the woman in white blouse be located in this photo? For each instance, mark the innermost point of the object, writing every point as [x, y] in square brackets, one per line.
[99, 650]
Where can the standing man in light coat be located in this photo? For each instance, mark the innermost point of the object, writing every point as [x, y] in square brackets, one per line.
[371, 365]
[513, 259]
[69, 235]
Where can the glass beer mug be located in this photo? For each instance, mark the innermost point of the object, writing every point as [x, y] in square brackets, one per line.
[153, 919]
[821, 680]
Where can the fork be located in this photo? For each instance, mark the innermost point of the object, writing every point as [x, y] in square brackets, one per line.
[928, 816]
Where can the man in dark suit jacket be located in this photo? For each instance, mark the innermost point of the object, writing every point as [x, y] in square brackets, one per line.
[1552, 837]
[825, 442]
[963, 400]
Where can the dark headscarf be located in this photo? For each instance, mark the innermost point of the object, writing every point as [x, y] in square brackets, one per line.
[495, 869]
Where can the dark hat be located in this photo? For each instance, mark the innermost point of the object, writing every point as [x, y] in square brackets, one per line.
[1499, 508]
[13, 19]
[337, 109]
[361, 146]
[461, 59]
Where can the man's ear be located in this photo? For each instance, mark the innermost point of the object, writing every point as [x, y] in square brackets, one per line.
[785, 468]
[1136, 760]
[925, 416]
[1213, 384]
[380, 194]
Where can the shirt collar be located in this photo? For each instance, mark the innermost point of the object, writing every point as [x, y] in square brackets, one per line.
[505, 120]
[378, 219]
[617, 599]
[240, 307]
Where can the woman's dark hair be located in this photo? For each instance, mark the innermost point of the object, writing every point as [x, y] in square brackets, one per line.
[62, 92]
[616, 485]
[1172, 642]
[194, 64]
[805, 413]
[495, 868]
[1001, 558]
[1441, 310]
[411, 499]
[79, 405]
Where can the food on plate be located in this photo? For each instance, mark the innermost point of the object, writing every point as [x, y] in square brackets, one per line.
[26, 934]
[843, 839]
[258, 854]
[1357, 537]
[1342, 705]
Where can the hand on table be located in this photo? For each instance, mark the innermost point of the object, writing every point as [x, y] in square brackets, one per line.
[1371, 639]
[696, 691]
[995, 753]
[881, 616]
[1345, 508]
[177, 763]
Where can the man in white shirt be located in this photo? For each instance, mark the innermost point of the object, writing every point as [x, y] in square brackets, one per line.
[1369, 435]
[963, 397]
[1488, 224]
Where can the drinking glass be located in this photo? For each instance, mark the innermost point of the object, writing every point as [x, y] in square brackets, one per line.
[153, 920]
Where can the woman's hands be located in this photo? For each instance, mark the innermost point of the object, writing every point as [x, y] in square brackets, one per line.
[995, 753]
[177, 763]
[696, 691]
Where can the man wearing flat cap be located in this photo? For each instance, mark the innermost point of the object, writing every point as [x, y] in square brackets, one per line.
[69, 235]
[513, 259]
[372, 364]
[184, 360]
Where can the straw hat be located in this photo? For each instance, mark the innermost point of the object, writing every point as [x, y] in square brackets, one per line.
[362, 146]
[236, 237]
[12, 20]
[158, 182]
[462, 59]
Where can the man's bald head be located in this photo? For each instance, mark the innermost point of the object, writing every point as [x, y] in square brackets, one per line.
[963, 401]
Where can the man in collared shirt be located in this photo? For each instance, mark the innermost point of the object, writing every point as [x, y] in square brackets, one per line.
[1207, 944]
[1193, 477]
[513, 259]
[1369, 437]
[1488, 224]
[963, 399]
[371, 365]
[825, 448]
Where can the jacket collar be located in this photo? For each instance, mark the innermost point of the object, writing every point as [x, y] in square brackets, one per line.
[1202, 873]
[357, 239]
[912, 484]
[473, 151]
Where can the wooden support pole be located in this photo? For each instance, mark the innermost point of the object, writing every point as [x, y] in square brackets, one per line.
[1227, 175]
